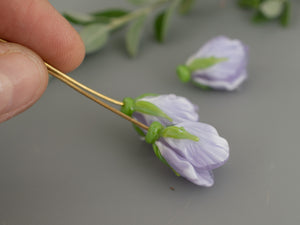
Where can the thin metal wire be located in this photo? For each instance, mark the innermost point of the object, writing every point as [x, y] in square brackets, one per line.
[89, 93]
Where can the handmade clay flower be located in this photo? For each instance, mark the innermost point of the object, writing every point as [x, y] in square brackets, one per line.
[220, 64]
[166, 109]
[191, 149]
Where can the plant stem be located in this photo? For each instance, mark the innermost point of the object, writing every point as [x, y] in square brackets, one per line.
[118, 22]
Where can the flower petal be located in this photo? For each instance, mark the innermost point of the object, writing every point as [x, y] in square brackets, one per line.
[176, 107]
[185, 168]
[210, 152]
[228, 74]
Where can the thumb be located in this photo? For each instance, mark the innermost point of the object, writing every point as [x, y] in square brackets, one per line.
[23, 79]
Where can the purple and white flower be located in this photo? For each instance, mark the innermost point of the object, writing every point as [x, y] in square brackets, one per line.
[226, 64]
[193, 151]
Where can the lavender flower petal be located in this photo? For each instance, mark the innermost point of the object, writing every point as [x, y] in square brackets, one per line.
[176, 107]
[226, 75]
[195, 160]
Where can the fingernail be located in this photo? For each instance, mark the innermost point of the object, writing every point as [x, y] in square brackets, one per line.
[22, 79]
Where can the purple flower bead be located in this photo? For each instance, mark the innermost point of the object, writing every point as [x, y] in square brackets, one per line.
[195, 160]
[177, 108]
[227, 73]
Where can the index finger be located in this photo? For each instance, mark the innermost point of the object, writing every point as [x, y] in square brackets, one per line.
[37, 25]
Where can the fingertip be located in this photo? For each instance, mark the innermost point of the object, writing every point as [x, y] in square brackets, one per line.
[23, 79]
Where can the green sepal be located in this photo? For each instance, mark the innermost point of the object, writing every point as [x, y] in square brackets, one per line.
[128, 106]
[139, 130]
[150, 109]
[153, 132]
[184, 73]
[161, 158]
[204, 63]
[177, 133]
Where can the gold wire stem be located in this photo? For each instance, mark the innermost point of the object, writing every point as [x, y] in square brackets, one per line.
[89, 93]
[55, 72]
[105, 105]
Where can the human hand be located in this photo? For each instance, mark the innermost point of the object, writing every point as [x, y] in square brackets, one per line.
[23, 75]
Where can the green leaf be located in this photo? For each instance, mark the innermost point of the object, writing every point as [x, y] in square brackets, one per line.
[134, 34]
[150, 109]
[110, 13]
[271, 8]
[203, 63]
[139, 130]
[162, 21]
[185, 6]
[259, 17]
[285, 15]
[94, 37]
[177, 133]
[79, 18]
[249, 4]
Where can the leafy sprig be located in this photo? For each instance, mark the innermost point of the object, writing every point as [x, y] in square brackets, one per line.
[97, 27]
[267, 10]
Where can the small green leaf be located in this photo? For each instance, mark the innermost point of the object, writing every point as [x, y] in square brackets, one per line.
[203, 63]
[134, 34]
[177, 133]
[285, 15]
[110, 13]
[258, 17]
[150, 109]
[249, 4]
[163, 20]
[79, 18]
[271, 8]
[185, 6]
[94, 37]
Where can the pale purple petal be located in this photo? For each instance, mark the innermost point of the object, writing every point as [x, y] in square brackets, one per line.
[210, 152]
[226, 75]
[185, 168]
[176, 107]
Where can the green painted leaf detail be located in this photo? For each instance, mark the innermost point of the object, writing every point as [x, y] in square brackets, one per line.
[163, 20]
[110, 13]
[150, 109]
[203, 63]
[161, 158]
[185, 6]
[134, 34]
[285, 15]
[259, 17]
[94, 37]
[79, 18]
[177, 133]
[271, 8]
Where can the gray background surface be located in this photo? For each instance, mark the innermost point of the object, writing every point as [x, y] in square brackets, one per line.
[67, 161]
